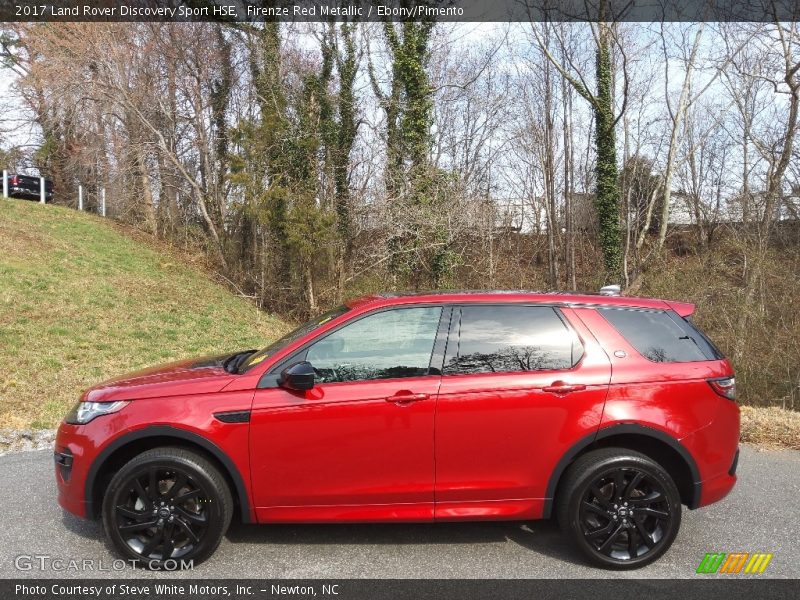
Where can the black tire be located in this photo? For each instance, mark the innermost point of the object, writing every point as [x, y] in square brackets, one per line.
[594, 502]
[160, 527]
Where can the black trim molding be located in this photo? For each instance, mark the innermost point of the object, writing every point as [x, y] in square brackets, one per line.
[440, 343]
[621, 429]
[233, 416]
[93, 511]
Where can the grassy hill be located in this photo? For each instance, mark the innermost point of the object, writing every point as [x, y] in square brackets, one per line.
[82, 300]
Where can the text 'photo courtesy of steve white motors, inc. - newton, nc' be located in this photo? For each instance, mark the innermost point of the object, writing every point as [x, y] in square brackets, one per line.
[236, 11]
[160, 590]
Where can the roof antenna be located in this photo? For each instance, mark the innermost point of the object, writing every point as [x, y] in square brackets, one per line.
[610, 290]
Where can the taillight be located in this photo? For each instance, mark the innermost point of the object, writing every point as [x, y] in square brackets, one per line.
[724, 386]
[14, 180]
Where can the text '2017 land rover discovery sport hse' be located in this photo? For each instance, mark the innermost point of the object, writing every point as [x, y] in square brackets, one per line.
[609, 413]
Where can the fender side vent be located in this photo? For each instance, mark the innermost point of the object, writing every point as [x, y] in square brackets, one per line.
[234, 416]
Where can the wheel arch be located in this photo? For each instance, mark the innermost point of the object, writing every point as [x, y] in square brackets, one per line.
[122, 449]
[657, 445]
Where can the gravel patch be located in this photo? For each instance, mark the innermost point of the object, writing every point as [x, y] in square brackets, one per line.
[22, 440]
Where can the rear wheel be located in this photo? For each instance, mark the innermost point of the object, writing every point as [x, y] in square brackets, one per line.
[622, 509]
[166, 507]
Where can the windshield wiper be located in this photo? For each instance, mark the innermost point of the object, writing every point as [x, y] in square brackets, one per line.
[234, 361]
[689, 337]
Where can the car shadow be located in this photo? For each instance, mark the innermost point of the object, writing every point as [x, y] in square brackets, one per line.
[542, 537]
[86, 528]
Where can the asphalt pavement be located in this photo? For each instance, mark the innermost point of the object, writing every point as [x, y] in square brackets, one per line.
[762, 514]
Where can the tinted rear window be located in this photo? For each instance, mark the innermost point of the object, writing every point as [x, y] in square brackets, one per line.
[502, 339]
[661, 336]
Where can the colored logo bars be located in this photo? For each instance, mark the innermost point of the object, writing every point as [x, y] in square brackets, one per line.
[741, 562]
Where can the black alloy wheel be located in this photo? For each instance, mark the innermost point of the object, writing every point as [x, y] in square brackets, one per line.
[166, 507]
[625, 514]
[163, 513]
[622, 508]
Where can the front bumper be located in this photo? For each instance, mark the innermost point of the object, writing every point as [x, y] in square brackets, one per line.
[72, 457]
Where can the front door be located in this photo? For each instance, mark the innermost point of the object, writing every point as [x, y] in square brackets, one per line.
[359, 445]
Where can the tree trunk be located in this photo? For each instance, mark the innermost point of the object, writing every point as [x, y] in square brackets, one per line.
[548, 169]
[569, 166]
[677, 123]
[147, 189]
[607, 190]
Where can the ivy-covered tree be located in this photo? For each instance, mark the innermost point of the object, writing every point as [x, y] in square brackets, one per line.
[341, 118]
[607, 189]
[419, 243]
[294, 162]
[607, 193]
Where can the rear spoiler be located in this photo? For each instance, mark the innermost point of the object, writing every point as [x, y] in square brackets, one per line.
[684, 309]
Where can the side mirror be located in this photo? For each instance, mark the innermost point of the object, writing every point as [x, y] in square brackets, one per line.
[299, 376]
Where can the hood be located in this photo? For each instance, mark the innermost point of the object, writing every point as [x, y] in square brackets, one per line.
[196, 376]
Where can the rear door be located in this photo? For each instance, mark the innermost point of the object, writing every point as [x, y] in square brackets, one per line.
[520, 385]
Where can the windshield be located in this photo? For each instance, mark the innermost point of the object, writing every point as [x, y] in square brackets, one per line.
[293, 336]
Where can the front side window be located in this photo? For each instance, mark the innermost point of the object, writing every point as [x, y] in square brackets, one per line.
[660, 337]
[502, 339]
[389, 344]
[291, 337]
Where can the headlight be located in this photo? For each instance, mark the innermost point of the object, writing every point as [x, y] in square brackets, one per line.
[83, 412]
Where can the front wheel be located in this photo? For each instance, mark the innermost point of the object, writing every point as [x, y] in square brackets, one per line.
[167, 508]
[622, 509]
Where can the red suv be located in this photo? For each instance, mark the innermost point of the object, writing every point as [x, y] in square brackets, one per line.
[607, 412]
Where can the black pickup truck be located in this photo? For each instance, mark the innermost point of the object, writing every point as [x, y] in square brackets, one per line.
[28, 187]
